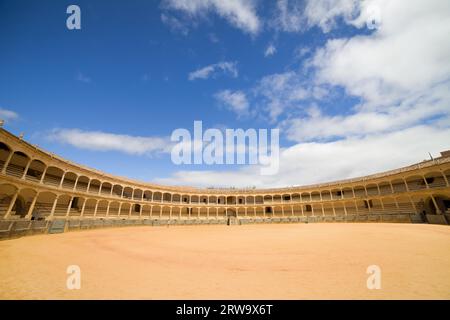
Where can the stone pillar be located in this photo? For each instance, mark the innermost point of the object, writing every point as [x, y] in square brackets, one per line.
[69, 207]
[26, 169]
[8, 160]
[11, 204]
[438, 210]
[30, 210]
[43, 175]
[52, 213]
[445, 178]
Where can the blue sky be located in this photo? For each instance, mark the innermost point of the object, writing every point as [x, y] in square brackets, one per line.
[349, 99]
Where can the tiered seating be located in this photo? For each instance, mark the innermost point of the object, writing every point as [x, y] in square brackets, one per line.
[68, 184]
[15, 170]
[52, 180]
[438, 182]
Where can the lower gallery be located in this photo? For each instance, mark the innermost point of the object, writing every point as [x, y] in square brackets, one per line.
[71, 232]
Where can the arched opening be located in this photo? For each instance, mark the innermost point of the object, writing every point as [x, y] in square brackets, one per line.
[315, 196]
[440, 205]
[89, 207]
[328, 209]
[326, 195]
[76, 207]
[117, 191]
[53, 176]
[194, 199]
[339, 209]
[259, 200]
[277, 198]
[267, 199]
[157, 196]
[147, 195]
[204, 199]
[250, 200]
[347, 193]
[138, 194]
[17, 165]
[94, 186]
[176, 198]
[399, 185]
[221, 200]
[125, 209]
[82, 184]
[278, 211]
[23, 202]
[114, 209]
[385, 188]
[146, 210]
[69, 181]
[136, 209]
[435, 180]
[167, 197]
[416, 183]
[102, 208]
[185, 198]
[44, 205]
[203, 213]
[127, 192]
[372, 190]
[106, 188]
[7, 192]
[230, 212]
[165, 212]
[306, 197]
[35, 171]
[360, 191]
[336, 194]
[62, 205]
[212, 200]
[231, 200]
[5, 151]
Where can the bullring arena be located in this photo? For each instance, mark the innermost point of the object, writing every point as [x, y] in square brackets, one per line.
[146, 241]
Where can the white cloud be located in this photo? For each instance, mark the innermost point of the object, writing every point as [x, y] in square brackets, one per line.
[409, 53]
[174, 24]
[283, 91]
[309, 163]
[102, 141]
[229, 68]
[8, 114]
[270, 51]
[239, 13]
[235, 101]
[323, 13]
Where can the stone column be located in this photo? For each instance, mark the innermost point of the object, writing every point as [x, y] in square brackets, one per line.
[8, 160]
[11, 204]
[30, 210]
[26, 169]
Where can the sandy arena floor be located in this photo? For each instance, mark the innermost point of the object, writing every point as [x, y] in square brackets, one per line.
[301, 261]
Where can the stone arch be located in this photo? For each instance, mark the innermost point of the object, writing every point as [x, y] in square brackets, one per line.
[53, 176]
[44, 205]
[106, 188]
[17, 165]
[94, 186]
[62, 205]
[138, 194]
[102, 208]
[82, 184]
[69, 180]
[89, 207]
[35, 170]
[117, 190]
[5, 152]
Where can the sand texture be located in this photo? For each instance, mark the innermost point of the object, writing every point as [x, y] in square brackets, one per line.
[296, 261]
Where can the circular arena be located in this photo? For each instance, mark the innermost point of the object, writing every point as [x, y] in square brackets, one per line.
[149, 241]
